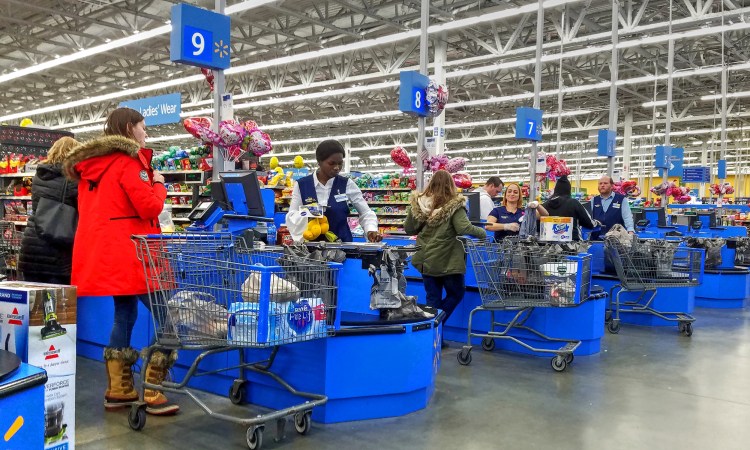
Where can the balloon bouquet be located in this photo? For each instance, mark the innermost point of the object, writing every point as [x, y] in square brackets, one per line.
[628, 189]
[234, 139]
[556, 168]
[454, 166]
[672, 189]
[720, 190]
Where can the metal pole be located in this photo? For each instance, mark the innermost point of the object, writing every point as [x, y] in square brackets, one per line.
[440, 49]
[668, 122]
[723, 152]
[537, 90]
[560, 90]
[614, 69]
[219, 86]
[423, 47]
[627, 144]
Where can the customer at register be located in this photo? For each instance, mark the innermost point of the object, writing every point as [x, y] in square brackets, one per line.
[610, 208]
[506, 219]
[119, 195]
[437, 216]
[563, 205]
[41, 260]
[490, 190]
[327, 187]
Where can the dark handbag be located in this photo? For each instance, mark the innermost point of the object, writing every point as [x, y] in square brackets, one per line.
[55, 221]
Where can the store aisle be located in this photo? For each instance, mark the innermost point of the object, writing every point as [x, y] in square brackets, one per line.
[649, 388]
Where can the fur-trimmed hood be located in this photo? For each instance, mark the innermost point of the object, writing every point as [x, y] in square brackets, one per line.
[421, 208]
[103, 146]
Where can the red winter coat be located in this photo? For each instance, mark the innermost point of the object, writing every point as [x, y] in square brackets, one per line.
[117, 198]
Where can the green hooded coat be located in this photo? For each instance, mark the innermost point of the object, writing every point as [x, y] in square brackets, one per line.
[441, 253]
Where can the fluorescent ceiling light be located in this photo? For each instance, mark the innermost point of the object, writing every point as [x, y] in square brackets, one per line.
[656, 103]
[110, 45]
[351, 118]
[729, 95]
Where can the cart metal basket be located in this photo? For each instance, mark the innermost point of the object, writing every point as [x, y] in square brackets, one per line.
[646, 265]
[10, 248]
[213, 293]
[520, 275]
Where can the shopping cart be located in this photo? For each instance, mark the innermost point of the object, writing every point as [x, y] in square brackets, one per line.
[210, 292]
[646, 265]
[10, 248]
[521, 275]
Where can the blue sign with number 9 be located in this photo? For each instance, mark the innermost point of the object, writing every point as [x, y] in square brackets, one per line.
[197, 43]
[200, 37]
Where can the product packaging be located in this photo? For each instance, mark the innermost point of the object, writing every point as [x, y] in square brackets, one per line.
[556, 229]
[38, 323]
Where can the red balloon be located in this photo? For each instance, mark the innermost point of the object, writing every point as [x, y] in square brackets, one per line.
[462, 180]
[400, 157]
[197, 125]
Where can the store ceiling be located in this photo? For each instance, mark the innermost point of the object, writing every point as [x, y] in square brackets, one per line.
[489, 69]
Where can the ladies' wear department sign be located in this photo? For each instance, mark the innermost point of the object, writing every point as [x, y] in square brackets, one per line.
[157, 110]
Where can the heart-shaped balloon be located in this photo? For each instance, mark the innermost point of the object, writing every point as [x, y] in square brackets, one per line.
[195, 125]
[258, 142]
[250, 125]
[462, 180]
[455, 165]
[231, 132]
[400, 157]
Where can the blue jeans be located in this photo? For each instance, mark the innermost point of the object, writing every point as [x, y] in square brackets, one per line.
[454, 292]
[126, 313]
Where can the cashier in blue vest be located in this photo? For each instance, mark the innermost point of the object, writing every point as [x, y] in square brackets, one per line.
[327, 187]
[610, 208]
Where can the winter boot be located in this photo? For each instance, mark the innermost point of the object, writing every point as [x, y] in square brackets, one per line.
[156, 372]
[120, 390]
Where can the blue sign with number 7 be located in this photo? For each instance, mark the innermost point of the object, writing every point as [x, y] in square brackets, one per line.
[529, 124]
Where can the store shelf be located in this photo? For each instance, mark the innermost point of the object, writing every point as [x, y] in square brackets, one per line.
[178, 193]
[386, 189]
[17, 175]
[180, 219]
[181, 206]
[175, 172]
[388, 203]
[17, 222]
[15, 197]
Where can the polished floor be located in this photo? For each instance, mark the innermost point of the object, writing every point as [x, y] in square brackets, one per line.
[649, 388]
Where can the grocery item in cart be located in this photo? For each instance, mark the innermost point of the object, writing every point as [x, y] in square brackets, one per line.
[281, 289]
[198, 314]
[287, 321]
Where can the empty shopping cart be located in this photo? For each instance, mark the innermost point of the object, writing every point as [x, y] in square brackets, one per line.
[521, 275]
[10, 248]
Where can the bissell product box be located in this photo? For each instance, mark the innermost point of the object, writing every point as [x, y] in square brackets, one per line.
[557, 229]
[24, 331]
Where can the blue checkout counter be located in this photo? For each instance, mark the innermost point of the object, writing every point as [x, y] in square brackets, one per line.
[369, 369]
[22, 408]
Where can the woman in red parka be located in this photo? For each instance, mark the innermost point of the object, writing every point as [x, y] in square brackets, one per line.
[119, 195]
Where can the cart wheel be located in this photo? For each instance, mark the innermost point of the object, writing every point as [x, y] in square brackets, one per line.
[559, 364]
[464, 357]
[681, 327]
[237, 392]
[137, 417]
[569, 358]
[688, 329]
[488, 344]
[613, 327]
[254, 438]
[303, 422]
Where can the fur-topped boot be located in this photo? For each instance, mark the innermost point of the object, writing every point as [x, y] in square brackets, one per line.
[156, 372]
[120, 390]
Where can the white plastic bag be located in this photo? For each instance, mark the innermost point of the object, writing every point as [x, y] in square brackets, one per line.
[165, 219]
[281, 290]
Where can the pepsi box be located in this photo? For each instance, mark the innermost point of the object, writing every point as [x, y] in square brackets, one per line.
[556, 229]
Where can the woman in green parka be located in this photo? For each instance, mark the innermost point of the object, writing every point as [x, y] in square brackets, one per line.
[437, 216]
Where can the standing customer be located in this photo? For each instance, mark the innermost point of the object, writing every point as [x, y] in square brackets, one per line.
[506, 220]
[490, 190]
[437, 216]
[563, 205]
[40, 260]
[119, 195]
[610, 208]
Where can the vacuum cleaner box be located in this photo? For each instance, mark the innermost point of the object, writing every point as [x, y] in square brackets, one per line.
[556, 229]
[38, 323]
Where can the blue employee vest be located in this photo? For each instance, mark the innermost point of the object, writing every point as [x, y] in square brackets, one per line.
[610, 218]
[337, 212]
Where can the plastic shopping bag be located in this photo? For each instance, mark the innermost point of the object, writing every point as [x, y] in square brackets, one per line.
[281, 289]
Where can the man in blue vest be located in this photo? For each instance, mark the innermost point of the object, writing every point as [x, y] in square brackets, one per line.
[610, 208]
[326, 187]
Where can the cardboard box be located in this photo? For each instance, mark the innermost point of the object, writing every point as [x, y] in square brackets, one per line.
[23, 331]
[556, 229]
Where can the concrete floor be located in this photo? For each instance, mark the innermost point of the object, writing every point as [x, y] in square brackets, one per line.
[649, 388]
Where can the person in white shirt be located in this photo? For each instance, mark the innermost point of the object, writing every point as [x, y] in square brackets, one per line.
[491, 189]
[327, 187]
